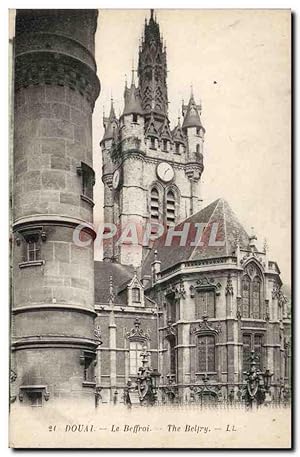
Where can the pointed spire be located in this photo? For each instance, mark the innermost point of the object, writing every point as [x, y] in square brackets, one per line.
[153, 90]
[110, 123]
[191, 113]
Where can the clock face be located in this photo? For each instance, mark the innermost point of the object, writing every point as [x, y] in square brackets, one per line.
[116, 179]
[165, 171]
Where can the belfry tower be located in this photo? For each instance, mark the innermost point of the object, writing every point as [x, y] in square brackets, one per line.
[151, 173]
[56, 87]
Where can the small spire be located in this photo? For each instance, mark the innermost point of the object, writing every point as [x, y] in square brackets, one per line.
[125, 81]
[151, 14]
[112, 114]
[192, 92]
[252, 235]
[178, 119]
[132, 73]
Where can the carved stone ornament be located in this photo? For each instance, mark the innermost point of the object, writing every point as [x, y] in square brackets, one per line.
[170, 330]
[277, 294]
[177, 289]
[253, 255]
[205, 326]
[205, 282]
[97, 334]
[137, 333]
[229, 286]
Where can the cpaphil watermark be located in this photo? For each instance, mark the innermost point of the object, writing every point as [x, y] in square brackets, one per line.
[186, 234]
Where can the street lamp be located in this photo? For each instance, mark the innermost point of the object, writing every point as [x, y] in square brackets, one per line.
[267, 375]
[155, 375]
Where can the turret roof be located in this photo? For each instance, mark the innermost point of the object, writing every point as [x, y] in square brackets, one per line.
[110, 124]
[177, 133]
[192, 117]
[133, 103]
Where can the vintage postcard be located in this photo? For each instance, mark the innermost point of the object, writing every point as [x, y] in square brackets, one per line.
[150, 162]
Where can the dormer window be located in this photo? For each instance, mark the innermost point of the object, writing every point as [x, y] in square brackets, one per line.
[135, 292]
[135, 118]
[177, 148]
[198, 131]
[165, 145]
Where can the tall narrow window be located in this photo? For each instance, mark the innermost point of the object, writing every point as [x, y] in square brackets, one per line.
[172, 354]
[152, 143]
[135, 350]
[89, 369]
[198, 148]
[171, 205]
[134, 118]
[246, 352]
[246, 296]
[206, 353]
[165, 145]
[136, 295]
[154, 205]
[257, 346]
[171, 310]
[177, 148]
[286, 361]
[88, 179]
[32, 249]
[205, 304]
[256, 298]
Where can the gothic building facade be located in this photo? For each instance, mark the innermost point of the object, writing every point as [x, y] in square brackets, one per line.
[195, 293]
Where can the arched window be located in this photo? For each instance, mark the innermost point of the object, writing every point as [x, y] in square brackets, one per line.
[246, 296]
[206, 354]
[171, 205]
[256, 298]
[154, 205]
[135, 350]
[198, 148]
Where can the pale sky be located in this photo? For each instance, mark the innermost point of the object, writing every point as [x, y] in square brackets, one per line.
[246, 113]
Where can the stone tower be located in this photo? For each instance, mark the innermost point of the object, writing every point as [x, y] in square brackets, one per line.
[151, 173]
[56, 86]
